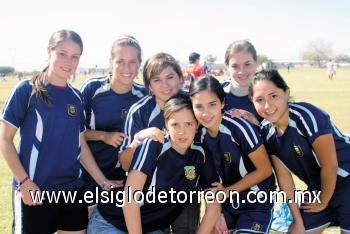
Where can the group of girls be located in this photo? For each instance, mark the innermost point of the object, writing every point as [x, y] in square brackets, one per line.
[225, 137]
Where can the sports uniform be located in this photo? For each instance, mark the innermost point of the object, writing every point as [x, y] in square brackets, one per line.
[165, 169]
[49, 151]
[238, 102]
[230, 149]
[294, 150]
[106, 111]
[143, 114]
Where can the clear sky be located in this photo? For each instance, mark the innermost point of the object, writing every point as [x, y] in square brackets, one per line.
[279, 29]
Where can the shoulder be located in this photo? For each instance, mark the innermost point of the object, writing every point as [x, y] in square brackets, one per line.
[307, 111]
[240, 128]
[76, 93]
[226, 85]
[93, 83]
[139, 90]
[266, 129]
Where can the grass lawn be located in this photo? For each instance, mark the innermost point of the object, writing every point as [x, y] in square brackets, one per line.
[307, 84]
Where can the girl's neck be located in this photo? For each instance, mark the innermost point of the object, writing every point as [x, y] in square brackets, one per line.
[282, 124]
[56, 81]
[160, 103]
[214, 131]
[118, 87]
[237, 89]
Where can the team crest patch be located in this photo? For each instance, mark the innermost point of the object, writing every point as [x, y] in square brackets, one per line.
[72, 110]
[190, 172]
[257, 226]
[298, 150]
[227, 157]
[124, 113]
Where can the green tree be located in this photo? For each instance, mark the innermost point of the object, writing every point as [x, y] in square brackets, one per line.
[6, 70]
[317, 51]
[262, 58]
[342, 58]
[210, 59]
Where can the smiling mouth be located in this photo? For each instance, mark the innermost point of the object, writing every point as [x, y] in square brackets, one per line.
[270, 112]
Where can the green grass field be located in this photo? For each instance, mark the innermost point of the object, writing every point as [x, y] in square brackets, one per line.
[307, 84]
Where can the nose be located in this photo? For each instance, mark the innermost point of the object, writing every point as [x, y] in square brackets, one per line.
[267, 104]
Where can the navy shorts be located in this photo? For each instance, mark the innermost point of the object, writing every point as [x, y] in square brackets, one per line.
[50, 217]
[248, 217]
[336, 214]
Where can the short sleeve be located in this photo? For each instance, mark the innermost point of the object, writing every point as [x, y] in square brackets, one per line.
[87, 93]
[312, 120]
[133, 124]
[208, 173]
[145, 157]
[17, 104]
[247, 135]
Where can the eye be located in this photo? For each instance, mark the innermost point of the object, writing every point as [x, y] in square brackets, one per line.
[198, 107]
[155, 80]
[62, 54]
[258, 100]
[274, 96]
[76, 57]
[213, 104]
[188, 124]
[234, 66]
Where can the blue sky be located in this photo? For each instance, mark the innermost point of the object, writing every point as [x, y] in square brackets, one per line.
[278, 29]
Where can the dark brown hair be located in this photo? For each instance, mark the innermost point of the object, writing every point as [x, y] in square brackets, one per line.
[39, 81]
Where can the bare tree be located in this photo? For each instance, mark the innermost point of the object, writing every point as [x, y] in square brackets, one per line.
[317, 51]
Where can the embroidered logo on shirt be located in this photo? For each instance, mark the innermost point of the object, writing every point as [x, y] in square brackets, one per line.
[72, 110]
[227, 157]
[298, 150]
[124, 113]
[257, 226]
[190, 172]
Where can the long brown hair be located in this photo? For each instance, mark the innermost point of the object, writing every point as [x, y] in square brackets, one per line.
[39, 81]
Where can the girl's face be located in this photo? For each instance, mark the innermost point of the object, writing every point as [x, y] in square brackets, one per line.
[165, 85]
[125, 65]
[182, 127]
[270, 102]
[242, 67]
[207, 108]
[63, 61]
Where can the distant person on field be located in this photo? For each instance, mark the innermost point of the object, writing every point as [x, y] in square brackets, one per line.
[206, 67]
[193, 70]
[330, 69]
[334, 67]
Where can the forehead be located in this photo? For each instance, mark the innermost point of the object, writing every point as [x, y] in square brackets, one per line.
[125, 51]
[205, 96]
[241, 57]
[182, 115]
[162, 73]
[69, 46]
[264, 87]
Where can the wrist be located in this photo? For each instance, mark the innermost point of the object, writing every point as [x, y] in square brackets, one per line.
[24, 180]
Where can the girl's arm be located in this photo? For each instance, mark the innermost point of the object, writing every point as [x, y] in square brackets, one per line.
[326, 154]
[125, 158]
[9, 152]
[286, 184]
[135, 182]
[263, 170]
[211, 215]
[89, 163]
[111, 138]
